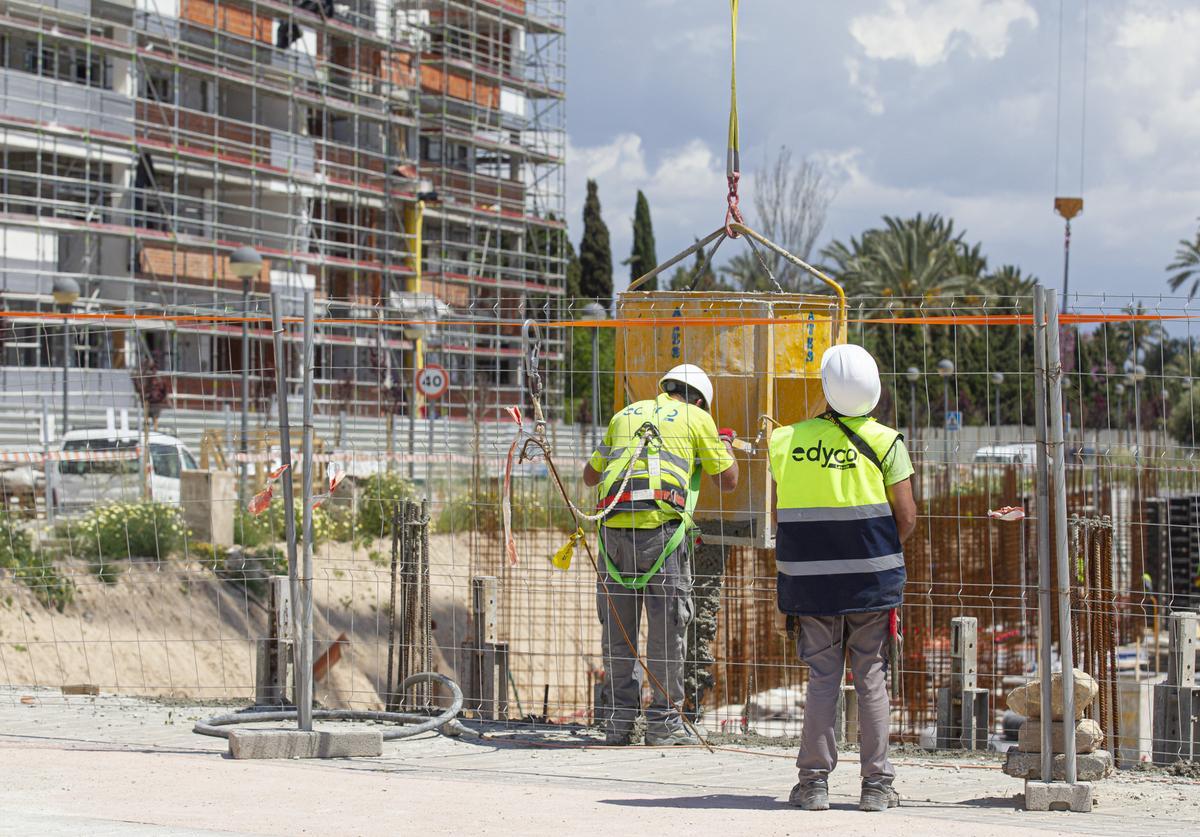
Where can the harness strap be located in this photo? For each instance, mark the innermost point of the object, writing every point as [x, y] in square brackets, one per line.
[686, 523]
[676, 499]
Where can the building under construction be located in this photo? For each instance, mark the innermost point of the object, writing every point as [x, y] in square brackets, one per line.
[403, 158]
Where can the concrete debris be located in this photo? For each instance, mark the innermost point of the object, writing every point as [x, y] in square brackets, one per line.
[1088, 736]
[1027, 700]
[1090, 767]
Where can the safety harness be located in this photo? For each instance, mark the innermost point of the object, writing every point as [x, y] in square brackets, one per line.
[628, 487]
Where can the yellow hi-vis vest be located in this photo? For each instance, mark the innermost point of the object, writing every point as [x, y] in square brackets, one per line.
[837, 548]
[662, 478]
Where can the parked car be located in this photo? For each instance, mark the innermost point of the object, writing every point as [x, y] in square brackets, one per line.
[1022, 453]
[80, 483]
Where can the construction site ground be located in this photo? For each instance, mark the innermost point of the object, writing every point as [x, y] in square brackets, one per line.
[110, 765]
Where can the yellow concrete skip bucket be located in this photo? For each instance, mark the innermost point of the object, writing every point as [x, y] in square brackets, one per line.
[763, 353]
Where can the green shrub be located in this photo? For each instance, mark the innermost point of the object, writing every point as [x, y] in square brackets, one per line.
[249, 530]
[33, 569]
[268, 528]
[342, 522]
[116, 532]
[250, 568]
[377, 495]
[536, 504]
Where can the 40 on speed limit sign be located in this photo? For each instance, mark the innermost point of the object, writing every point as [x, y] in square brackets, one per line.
[432, 381]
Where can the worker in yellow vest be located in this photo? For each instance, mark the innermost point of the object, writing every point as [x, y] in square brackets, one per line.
[648, 469]
[845, 506]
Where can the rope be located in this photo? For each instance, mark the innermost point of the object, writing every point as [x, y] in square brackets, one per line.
[603, 513]
[537, 438]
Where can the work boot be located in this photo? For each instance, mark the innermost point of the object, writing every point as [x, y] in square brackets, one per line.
[812, 795]
[674, 737]
[613, 738]
[877, 796]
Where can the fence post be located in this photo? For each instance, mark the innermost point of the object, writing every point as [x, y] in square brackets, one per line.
[285, 456]
[1045, 622]
[1063, 564]
[304, 688]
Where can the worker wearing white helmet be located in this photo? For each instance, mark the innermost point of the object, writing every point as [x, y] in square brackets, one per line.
[845, 506]
[648, 469]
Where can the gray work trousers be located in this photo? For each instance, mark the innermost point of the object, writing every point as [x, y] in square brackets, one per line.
[824, 643]
[667, 598]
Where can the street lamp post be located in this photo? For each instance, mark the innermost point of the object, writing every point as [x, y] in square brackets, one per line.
[1119, 390]
[245, 263]
[1135, 374]
[595, 311]
[65, 291]
[945, 368]
[913, 374]
[997, 380]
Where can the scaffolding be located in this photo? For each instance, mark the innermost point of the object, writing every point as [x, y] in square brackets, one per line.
[143, 141]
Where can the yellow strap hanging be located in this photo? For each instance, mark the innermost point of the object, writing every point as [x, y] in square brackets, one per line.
[733, 163]
[562, 558]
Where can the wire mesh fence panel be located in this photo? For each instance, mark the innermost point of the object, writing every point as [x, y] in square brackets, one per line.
[129, 564]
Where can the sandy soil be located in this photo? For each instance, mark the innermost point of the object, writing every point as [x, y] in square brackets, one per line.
[174, 629]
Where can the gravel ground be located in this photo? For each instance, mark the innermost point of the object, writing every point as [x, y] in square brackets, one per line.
[125, 766]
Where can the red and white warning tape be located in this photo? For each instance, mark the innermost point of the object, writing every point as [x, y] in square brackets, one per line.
[359, 457]
[39, 457]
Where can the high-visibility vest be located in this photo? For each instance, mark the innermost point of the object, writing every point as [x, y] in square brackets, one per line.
[837, 548]
[658, 479]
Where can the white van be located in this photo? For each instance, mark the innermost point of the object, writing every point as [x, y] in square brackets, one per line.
[1022, 453]
[83, 483]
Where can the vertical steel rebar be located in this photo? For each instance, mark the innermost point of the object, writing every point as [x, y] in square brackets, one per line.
[285, 456]
[305, 639]
[1054, 409]
[1045, 662]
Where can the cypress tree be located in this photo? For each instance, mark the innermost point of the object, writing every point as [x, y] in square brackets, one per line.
[643, 257]
[573, 270]
[595, 252]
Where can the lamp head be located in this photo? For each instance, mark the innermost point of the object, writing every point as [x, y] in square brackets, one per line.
[245, 262]
[65, 290]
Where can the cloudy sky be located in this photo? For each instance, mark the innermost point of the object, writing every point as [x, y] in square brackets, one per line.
[917, 106]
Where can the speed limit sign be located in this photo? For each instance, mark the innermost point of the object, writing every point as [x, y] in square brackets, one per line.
[432, 381]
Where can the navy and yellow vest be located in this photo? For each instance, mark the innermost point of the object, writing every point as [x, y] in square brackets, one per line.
[837, 548]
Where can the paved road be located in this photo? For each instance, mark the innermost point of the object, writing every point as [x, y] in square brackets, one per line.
[123, 767]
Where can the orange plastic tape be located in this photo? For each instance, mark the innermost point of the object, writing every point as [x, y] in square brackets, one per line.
[649, 322]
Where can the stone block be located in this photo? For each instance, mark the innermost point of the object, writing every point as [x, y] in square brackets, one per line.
[1027, 700]
[1042, 796]
[1088, 736]
[1089, 767]
[296, 744]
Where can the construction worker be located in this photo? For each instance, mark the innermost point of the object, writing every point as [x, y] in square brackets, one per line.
[845, 506]
[648, 469]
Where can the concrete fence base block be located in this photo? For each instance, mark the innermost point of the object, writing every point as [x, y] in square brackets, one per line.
[295, 744]
[1089, 767]
[1045, 796]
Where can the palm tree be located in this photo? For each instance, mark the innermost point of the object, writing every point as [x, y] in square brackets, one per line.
[1187, 263]
[919, 259]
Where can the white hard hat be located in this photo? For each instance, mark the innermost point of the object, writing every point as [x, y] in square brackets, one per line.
[850, 378]
[694, 377]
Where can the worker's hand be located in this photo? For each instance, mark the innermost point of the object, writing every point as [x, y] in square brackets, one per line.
[726, 435]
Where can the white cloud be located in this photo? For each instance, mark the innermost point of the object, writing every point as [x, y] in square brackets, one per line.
[1153, 70]
[871, 98]
[685, 187]
[926, 33]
